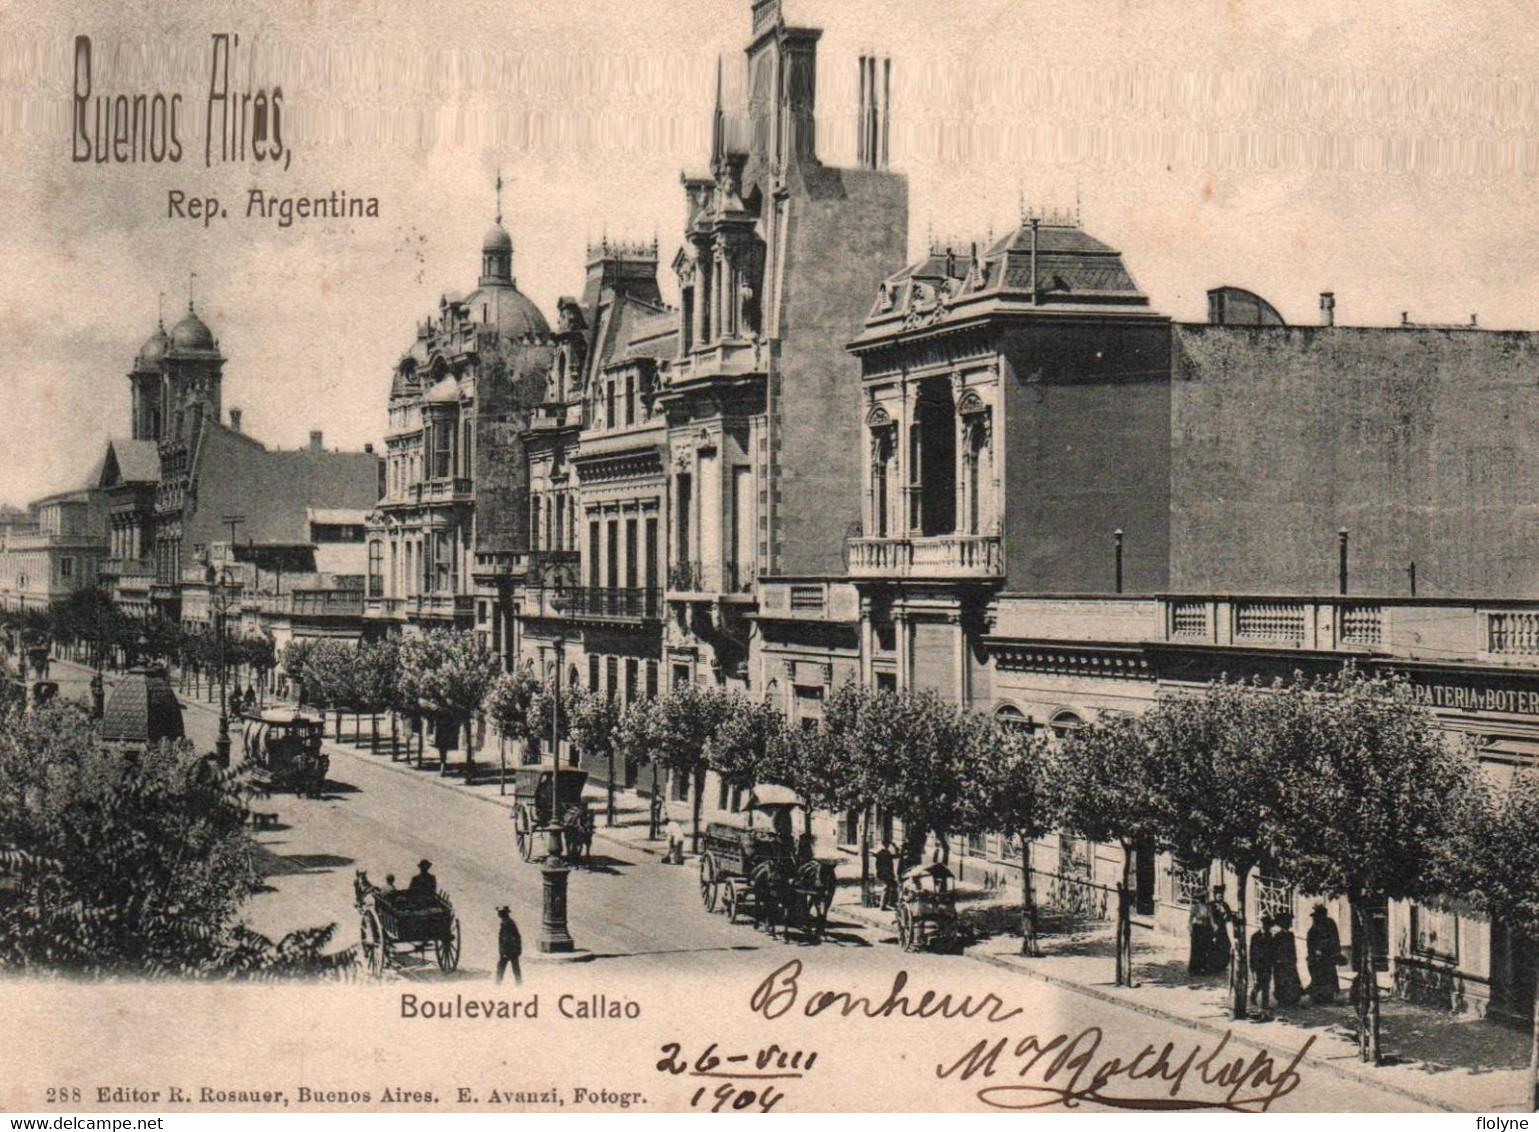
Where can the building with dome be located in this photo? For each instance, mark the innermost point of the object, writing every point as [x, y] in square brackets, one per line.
[156, 512]
[449, 537]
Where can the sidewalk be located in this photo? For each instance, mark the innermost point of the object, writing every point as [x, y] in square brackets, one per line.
[1452, 1062]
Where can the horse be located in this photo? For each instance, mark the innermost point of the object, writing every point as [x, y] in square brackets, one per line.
[577, 833]
[363, 888]
[772, 897]
[815, 884]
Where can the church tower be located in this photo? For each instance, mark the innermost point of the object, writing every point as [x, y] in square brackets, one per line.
[176, 379]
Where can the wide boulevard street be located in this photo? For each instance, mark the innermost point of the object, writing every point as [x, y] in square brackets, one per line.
[633, 912]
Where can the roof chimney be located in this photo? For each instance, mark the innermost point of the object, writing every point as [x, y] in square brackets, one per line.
[369, 448]
[1327, 308]
[234, 420]
[315, 440]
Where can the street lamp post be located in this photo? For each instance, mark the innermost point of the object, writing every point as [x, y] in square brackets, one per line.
[220, 599]
[554, 937]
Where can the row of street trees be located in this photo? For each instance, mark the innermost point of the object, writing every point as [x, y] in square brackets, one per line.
[1341, 786]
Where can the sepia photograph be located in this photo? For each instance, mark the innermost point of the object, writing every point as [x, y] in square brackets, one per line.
[769, 555]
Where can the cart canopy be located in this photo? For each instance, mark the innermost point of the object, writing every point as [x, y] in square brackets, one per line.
[771, 796]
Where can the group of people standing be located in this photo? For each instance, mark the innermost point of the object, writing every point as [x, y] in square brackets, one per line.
[1273, 953]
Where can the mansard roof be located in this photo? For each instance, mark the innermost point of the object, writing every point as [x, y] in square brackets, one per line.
[1046, 268]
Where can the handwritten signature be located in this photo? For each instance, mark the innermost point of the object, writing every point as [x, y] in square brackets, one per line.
[1069, 1069]
[1058, 1069]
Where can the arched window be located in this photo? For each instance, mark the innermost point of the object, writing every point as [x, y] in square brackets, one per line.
[1064, 722]
[1011, 717]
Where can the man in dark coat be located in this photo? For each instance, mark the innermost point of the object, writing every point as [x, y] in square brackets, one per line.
[510, 945]
[1322, 949]
[1223, 916]
[1285, 962]
[886, 874]
[1261, 964]
[1201, 924]
[423, 886]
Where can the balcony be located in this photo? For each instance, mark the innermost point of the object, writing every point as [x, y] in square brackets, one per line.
[392, 608]
[319, 604]
[459, 489]
[590, 603]
[441, 606]
[709, 580]
[961, 557]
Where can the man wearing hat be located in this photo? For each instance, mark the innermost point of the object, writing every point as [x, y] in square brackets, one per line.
[423, 886]
[510, 945]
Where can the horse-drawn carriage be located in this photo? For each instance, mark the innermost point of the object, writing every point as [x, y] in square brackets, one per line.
[283, 747]
[400, 921]
[764, 873]
[568, 825]
[927, 909]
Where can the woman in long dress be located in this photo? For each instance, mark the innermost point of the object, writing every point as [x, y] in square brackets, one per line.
[1201, 923]
[1323, 955]
[1285, 962]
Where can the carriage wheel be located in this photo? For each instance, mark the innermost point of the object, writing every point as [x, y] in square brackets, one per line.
[730, 903]
[448, 949]
[523, 836]
[708, 883]
[373, 944]
[905, 929]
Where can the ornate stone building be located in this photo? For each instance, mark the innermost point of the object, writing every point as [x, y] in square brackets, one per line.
[762, 401]
[448, 539]
[598, 507]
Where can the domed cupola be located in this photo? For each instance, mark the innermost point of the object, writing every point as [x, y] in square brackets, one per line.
[497, 249]
[192, 333]
[497, 256]
[154, 349]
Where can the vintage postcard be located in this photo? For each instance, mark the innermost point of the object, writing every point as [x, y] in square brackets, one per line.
[769, 555]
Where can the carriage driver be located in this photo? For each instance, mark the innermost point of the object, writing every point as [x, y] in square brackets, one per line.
[423, 886]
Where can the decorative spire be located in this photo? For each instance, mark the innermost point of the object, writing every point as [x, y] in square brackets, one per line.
[160, 317]
[718, 122]
[499, 194]
[191, 275]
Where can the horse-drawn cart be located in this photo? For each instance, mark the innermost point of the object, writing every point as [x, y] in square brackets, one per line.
[569, 825]
[393, 923]
[927, 909]
[763, 873]
[283, 748]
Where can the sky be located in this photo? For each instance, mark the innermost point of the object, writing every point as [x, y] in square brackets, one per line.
[1386, 152]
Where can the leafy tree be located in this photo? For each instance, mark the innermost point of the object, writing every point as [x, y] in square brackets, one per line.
[135, 864]
[449, 672]
[591, 722]
[907, 745]
[296, 654]
[687, 718]
[509, 702]
[1009, 791]
[1494, 858]
[375, 679]
[639, 736]
[328, 677]
[1104, 791]
[1377, 794]
[1218, 761]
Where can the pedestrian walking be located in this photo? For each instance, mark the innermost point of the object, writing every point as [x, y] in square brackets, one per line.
[1322, 949]
[1285, 962]
[510, 945]
[1261, 965]
[1200, 923]
[675, 842]
[1223, 917]
[887, 874]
